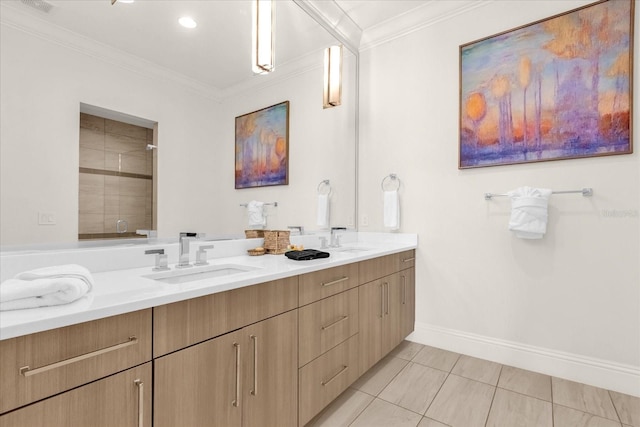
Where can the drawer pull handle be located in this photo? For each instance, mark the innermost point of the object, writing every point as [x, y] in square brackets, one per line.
[236, 401]
[381, 300]
[27, 371]
[331, 325]
[344, 368]
[140, 385]
[335, 282]
[409, 259]
[254, 392]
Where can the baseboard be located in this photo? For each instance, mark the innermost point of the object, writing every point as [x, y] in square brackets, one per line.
[596, 372]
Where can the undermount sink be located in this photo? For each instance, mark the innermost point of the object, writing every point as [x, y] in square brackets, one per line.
[350, 249]
[199, 273]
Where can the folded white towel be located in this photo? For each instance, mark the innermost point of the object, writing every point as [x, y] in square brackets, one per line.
[392, 210]
[255, 211]
[45, 287]
[529, 212]
[323, 211]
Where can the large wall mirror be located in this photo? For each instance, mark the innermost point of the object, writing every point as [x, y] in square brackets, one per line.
[63, 58]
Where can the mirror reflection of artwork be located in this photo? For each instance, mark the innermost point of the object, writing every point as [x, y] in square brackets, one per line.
[262, 147]
[559, 88]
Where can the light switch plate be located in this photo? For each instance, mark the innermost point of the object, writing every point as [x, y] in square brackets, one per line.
[46, 218]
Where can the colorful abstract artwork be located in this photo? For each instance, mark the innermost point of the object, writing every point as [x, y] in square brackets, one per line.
[262, 147]
[560, 88]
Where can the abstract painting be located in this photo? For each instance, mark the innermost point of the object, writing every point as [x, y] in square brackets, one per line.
[262, 147]
[560, 88]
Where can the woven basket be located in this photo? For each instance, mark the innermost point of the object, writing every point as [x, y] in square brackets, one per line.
[253, 234]
[256, 252]
[276, 241]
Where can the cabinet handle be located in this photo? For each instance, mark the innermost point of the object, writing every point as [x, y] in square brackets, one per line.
[409, 259]
[404, 289]
[27, 371]
[254, 392]
[335, 282]
[381, 300]
[344, 368]
[140, 386]
[331, 325]
[236, 401]
[387, 310]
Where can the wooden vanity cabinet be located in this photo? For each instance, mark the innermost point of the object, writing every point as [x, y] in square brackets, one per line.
[122, 400]
[407, 301]
[243, 378]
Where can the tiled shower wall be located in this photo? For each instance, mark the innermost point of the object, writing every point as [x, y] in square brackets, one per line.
[116, 178]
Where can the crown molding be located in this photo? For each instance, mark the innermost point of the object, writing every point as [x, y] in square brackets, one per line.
[13, 17]
[431, 13]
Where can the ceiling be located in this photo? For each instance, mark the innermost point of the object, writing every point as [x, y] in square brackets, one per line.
[217, 52]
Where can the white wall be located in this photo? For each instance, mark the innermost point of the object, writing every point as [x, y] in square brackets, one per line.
[42, 85]
[569, 304]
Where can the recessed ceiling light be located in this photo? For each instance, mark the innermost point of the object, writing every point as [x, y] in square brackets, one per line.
[187, 22]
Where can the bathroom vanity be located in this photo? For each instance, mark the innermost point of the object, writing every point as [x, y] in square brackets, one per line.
[229, 351]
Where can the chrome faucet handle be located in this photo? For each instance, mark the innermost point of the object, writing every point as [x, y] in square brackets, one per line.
[201, 255]
[162, 260]
[323, 243]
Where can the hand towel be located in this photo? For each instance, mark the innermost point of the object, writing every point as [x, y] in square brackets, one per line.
[392, 210]
[323, 211]
[45, 287]
[255, 211]
[529, 212]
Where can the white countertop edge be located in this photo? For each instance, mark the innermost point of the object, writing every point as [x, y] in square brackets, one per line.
[134, 292]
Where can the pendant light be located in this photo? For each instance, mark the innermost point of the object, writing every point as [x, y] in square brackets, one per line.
[264, 16]
[332, 96]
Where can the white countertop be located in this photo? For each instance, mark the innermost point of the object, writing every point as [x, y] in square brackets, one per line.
[123, 290]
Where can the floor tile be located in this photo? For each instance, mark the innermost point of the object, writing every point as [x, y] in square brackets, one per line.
[567, 417]
[384, 414]
[342, 411]
[628, 408]
[436, 358]
[428, 422]
[381, 374]
[582, 397]
[526, 382]
[462, 402]
[477, 369]
[414, 387]
[514, 409]
[406, 350]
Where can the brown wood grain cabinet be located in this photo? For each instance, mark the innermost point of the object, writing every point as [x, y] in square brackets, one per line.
[244, 378]
[36, 366]
[122, 400]
[324, 283]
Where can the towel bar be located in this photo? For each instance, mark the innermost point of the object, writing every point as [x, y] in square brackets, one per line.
[267, 204]
[586, 192]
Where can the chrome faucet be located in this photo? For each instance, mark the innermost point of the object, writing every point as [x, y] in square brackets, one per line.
[183, 249]
[300, 229]
[335, 237]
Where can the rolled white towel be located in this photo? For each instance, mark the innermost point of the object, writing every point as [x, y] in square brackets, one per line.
[45, 287]
[529, 212]
[391, 210]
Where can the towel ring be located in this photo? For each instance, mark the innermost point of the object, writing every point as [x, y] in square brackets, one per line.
[391, 177]
[324, 185]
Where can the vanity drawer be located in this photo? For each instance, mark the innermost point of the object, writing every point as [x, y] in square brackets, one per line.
[181, 324]
[406, 259]
[376, 268]
[324, 283]
[325, 378]
[39, 365]
[326, 323]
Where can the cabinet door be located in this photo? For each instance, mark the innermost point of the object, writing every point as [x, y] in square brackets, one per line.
[392, 319]
[371, 297]
[122, 400]
[408, 301]
[270, 385]
[200, 385]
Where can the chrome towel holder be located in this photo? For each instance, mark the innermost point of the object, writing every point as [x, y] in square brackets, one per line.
[266, 204]
[586, 192]
[392, 177]
[325, 185]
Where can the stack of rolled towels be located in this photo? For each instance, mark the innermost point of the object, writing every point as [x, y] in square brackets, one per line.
[45, 287]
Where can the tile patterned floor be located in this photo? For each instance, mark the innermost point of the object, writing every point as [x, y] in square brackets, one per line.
[423, 386]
